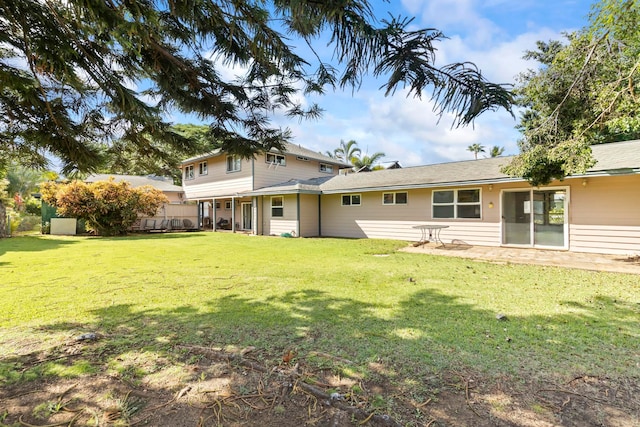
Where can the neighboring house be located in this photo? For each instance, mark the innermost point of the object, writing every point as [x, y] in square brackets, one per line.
[177, 208]
[598, 211]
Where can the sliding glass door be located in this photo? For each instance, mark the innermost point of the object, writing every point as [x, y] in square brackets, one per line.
[535, 218]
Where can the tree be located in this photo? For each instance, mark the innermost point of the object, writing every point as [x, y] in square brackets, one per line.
[78, 75]
[475, 149]
[347, 151]
[107, 207]
[496, 151]
[23, 180]
[585, 92]
[365, 163]
[3, 210]
[158, 158]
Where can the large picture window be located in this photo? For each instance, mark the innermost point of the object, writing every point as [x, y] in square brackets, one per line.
[234, 163]
[456, 203]
[277, 206]
[351, 200]
[326, 168]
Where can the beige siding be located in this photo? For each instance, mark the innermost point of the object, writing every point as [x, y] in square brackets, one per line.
[218, 182]
[278, 225]
[309, 215]
[265, 174]
[372, 219]
[605, 215]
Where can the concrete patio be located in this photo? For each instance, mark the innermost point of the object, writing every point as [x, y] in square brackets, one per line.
[586, 261]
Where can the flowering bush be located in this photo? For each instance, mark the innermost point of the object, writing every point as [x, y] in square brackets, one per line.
[107, 207]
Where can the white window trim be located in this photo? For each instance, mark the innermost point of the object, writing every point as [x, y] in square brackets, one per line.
[455, 203]
[278, 159]
[351, 196]
[227, 205]
[203, 168]
[277, 207]
[189, 172]
[395, 193]
[236, 161]
[327, 168]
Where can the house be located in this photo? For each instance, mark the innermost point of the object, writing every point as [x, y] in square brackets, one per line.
[178, 208]
[598, 211]
[222, 184]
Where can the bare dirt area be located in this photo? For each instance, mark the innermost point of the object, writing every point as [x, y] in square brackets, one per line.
[246, 387]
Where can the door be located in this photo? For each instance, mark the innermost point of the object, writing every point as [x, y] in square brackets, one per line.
[535, 218]
[516, 217]
[246, 216]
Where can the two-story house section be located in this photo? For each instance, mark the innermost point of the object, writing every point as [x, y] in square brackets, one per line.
[219, 182]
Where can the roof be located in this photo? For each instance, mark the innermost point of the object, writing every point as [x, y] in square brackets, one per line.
[161, 183]
[611, 159]
[292, 149]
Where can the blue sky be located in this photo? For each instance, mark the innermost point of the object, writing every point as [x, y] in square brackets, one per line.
[494, 34]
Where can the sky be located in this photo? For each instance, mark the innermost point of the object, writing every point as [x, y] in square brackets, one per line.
[494, 34]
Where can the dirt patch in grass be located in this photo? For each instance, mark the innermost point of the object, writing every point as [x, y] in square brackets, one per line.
[225, 387]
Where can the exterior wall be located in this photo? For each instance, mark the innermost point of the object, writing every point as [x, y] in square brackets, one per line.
[605, 215]
[217, 181]
[372, 219]
[275, 226]
[309, 215]
[266, 174]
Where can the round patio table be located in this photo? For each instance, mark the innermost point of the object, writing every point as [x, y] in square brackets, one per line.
[433, 231]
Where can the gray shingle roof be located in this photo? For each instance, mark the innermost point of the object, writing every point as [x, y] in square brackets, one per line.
[614, 158]
[293, 149]
[159, 182]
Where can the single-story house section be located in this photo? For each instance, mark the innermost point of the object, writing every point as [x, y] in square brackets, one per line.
[598, 211]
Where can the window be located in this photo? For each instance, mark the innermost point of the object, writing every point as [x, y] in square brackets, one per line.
[275, 159]
[350, 200]
[202, 168]
[456, 204]
[188, 172]
[277, 206]
[227, 205]
[217, 205]
[394, 198]
[302, 158]
[326, 168]
[234, 163]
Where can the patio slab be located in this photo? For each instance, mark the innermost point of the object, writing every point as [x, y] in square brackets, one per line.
[586, 261]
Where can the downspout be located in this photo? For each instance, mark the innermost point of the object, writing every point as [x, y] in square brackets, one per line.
[319, 215]
[298, 216]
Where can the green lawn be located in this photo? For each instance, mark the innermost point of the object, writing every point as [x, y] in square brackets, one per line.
[356, 299]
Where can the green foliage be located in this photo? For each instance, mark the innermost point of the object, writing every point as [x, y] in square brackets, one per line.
[106, 207]
[68, 69]
[585, 92]
[33, 206]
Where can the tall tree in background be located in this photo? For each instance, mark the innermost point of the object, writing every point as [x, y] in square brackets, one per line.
[476, 149]
[585, 92]
[496, 151]
[78, 75]
[366, 162]
[159, 158]
[347, 151]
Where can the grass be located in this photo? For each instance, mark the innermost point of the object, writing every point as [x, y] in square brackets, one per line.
[356, 299]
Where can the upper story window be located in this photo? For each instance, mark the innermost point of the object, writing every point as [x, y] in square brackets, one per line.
[277, 206]
[188, 172]
[324, 167]
[275, 159]
[234, 163]
[399, 198]
[456, 203]
[351, 200]
[202, 168]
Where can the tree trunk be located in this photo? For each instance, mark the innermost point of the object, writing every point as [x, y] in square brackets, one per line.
[3, 220]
